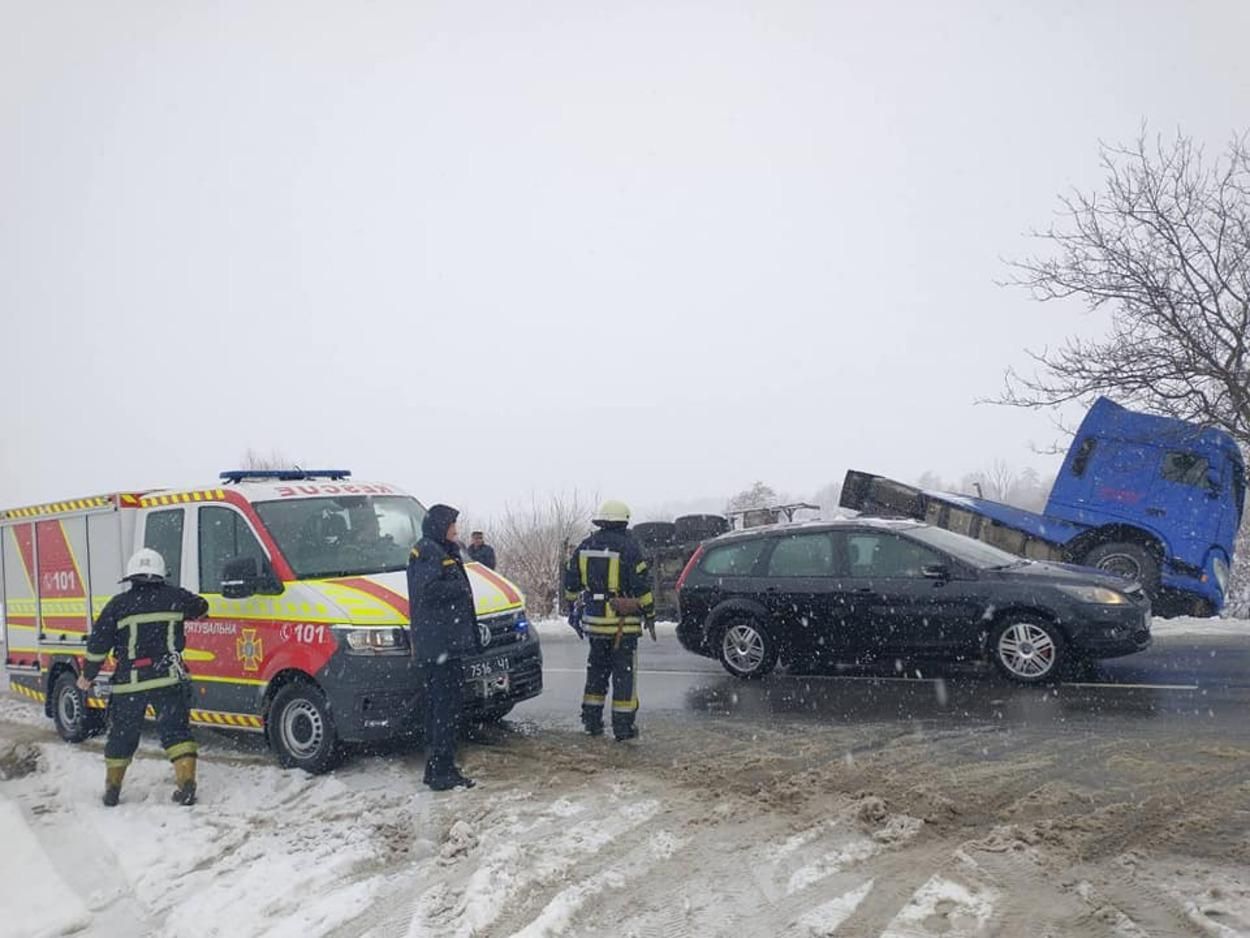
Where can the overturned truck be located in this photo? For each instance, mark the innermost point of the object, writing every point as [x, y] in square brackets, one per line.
[1153, 499]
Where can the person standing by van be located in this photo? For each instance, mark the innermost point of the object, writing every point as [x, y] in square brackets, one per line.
[143, 629]
[444, 630]
[480, 551]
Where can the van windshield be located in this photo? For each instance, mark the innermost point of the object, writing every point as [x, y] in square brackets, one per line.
[346, 535]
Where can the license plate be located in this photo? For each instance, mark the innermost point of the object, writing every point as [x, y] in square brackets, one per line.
[488, 668]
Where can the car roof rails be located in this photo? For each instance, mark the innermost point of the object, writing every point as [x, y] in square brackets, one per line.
[294, 474]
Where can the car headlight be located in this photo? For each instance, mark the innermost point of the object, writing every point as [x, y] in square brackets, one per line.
[375, 641]
[1220, 569]
[1097, 595]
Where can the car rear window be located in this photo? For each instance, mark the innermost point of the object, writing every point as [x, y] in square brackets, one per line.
[732, 559]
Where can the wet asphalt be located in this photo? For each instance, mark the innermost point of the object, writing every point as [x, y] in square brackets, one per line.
[1183, 683]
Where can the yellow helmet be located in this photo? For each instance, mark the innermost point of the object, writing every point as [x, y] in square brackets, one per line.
[612, 512]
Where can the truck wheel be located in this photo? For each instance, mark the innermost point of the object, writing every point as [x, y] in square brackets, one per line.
[746, 648]
[1027, 649]
[301, 729]
[1129, 560]
[74, 720]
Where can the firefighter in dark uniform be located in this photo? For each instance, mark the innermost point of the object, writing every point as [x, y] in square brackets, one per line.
[444, 630]
[607, 580]
[143, 629]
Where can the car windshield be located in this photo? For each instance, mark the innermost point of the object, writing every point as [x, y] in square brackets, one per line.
[972, 552]
[347, 535]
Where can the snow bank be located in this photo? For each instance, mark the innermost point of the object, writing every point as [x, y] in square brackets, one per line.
[34, 900]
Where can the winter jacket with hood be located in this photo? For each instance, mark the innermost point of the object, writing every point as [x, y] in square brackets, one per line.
[440, 599]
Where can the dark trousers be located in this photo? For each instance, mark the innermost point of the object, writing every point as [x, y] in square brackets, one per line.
[173, 722]
[618, 661]
[444, 688]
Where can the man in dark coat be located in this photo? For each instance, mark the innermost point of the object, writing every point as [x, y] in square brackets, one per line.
[143, 630]
[480, 551]
[444, 630]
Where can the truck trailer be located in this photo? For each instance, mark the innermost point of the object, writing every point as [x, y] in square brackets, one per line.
[1154, 499]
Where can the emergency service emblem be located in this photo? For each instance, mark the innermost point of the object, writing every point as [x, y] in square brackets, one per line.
[250, 649]
[483, 633]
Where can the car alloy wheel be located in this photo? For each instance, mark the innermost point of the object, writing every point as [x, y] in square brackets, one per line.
[744, 648]
[1027, 651]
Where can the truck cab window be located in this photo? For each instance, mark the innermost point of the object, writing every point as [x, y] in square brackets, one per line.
[224, 536]
[1186, 469]
[163, 533]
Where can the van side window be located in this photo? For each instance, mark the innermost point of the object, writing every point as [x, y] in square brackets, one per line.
[1185, 468]
[1081, 461]
[224, 536]
[163, 533]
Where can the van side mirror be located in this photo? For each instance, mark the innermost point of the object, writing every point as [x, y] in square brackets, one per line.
[245, 576]
[935, 571]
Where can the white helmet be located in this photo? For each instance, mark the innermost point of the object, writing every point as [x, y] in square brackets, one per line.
[145, 563]
[612, 511]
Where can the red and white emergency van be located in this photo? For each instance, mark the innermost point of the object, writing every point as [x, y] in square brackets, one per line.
[306, 639]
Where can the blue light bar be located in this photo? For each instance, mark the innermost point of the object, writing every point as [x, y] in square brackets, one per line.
[285, 475]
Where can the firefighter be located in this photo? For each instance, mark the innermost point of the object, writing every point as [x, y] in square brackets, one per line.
[143, 629]
[444, 630]
[607, 580]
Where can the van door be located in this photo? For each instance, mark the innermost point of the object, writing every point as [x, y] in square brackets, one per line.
[17, 554]
[1187, 501]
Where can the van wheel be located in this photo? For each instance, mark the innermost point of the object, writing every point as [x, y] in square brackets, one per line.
[1027, 649]
[746, 648]
[301, 729]
[1131, 561]
[74, 720]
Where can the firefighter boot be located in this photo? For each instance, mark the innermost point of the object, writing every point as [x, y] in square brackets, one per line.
[184, 778]
[113, 775]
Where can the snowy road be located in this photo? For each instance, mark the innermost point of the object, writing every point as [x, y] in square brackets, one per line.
[855, 805]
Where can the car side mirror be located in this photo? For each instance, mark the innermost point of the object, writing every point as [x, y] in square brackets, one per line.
[935, 571]
[245, 576]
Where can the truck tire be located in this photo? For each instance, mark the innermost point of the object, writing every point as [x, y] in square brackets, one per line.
[301, 729]
[746, 648]
[74, 720]
[655, 533]
[691, 529]
[1129, 560]
[1027, 649]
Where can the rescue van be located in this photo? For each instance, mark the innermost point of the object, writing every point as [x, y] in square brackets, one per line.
[306, 639]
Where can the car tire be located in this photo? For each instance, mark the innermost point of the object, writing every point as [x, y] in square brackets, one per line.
[746, 648]
[74, 720]
[1129, 560]
[301, 729]
[1028, 649]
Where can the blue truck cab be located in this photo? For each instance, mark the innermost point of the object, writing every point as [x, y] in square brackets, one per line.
[1154, 499]
[1138, 482]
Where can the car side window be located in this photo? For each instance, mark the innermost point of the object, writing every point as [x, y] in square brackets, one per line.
[802, 555]
[888, 555]
[224, 536]
[163, 533]
[733, 559]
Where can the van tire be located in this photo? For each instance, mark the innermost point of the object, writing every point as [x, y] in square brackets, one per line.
[1127, 559]
[301, 729]
[74, 720]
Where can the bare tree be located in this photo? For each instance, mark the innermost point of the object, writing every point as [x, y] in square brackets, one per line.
[758, 495]
[274, 460]
[1237, 604]
[1165, 248]
[531, 542]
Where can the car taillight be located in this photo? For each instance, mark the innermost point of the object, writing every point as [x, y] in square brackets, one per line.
[690, 565]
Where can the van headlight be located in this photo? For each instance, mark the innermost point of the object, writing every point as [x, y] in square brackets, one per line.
[1096, 595]
[375, 641]
[1220, 568]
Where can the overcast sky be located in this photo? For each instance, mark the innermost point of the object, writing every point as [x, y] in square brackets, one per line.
[652, 250]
